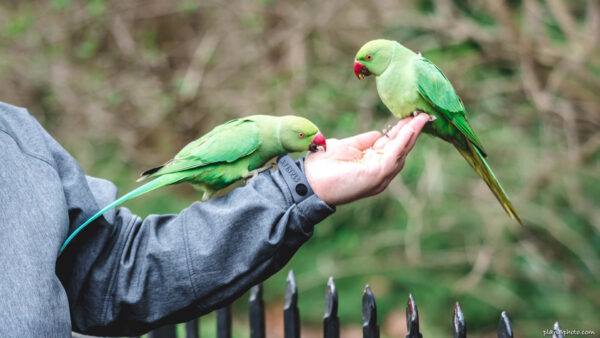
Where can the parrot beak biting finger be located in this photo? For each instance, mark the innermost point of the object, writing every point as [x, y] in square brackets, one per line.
[360, 70]
[318, 140]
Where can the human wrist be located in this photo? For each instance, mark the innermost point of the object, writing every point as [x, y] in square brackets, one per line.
[316, 183]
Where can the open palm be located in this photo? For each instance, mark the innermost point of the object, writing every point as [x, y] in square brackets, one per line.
[362, 165]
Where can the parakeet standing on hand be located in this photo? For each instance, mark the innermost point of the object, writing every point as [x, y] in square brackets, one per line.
[230, 152]
[407, 83]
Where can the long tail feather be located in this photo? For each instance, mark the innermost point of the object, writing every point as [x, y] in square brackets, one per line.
[154, 184]
[479, 164]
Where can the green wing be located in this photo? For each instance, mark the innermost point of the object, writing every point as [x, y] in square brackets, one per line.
[226, 143]
[435, 88]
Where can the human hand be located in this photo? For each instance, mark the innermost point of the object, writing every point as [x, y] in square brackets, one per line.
[363, 165]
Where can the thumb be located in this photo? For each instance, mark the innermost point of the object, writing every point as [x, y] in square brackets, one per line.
[362, 141]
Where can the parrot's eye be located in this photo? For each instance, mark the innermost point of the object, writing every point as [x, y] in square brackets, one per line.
[368, 57]
[301, 135]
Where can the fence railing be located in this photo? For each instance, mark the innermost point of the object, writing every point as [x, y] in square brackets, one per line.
[331, 323]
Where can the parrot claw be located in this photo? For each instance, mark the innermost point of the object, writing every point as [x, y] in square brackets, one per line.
[415, 113]
[250, 177]
[387, 129]
[432, 118]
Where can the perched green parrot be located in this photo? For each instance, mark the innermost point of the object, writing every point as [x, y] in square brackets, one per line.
[409, 83]
[235, 150]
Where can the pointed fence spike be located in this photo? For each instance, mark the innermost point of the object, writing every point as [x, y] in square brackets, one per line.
[191, 329]
[558, 333]
[459, 328]
[291, 314]
[257, 312]
[504, 328]
[224, 322]
[331, 322]
[291, 290]
[412, 319]
[369, 312]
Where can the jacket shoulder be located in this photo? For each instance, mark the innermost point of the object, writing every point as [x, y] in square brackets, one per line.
[25, 130]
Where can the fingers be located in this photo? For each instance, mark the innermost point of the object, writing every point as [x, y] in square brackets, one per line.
[398, 148]
[362, 141]
[396, 129]
[392, 133]
[410, 130]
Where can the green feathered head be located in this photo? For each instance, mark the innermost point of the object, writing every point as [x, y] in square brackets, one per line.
[373, 57]
[299, 134]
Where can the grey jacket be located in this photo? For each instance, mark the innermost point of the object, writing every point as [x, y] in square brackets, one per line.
[123, 275]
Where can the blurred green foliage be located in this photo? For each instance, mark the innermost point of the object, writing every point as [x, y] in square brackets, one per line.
[124, 85]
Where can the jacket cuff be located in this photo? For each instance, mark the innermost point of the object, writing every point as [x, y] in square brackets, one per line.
[310, 208]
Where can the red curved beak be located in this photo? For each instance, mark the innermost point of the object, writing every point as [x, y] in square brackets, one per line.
[318, 140]
[358, 70]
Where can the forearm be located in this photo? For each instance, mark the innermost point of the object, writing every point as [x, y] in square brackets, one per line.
[172, 268]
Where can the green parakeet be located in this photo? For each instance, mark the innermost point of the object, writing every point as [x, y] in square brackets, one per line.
[407, 83]
[232, 151]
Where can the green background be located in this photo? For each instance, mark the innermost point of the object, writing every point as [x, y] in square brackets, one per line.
[123, 85]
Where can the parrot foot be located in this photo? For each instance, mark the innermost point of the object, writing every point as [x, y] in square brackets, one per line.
[255, 173]
[206, 196]
[250, 177]
[387, 130]
[431, 117]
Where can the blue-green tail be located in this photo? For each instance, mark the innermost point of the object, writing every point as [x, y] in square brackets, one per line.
[154, 184]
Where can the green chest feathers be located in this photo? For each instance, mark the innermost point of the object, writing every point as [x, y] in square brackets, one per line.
[397, 90]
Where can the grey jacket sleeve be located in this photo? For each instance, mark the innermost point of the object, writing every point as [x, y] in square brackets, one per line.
[126, 276]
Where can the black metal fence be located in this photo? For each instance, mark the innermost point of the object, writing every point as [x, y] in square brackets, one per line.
[331, 323]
